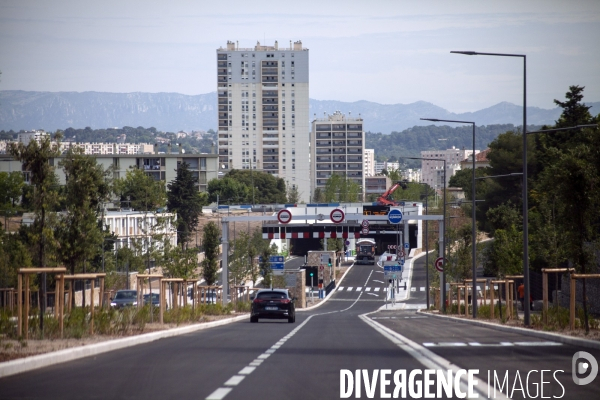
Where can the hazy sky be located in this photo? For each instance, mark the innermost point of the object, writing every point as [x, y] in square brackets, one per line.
[382, 51]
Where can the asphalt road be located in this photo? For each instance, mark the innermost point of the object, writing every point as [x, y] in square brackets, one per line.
[278, 360]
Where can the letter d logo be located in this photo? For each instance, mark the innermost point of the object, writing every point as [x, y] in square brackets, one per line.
[583, 367]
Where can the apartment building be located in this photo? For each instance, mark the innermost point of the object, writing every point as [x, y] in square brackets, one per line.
[386, 165]
[337, 147]
[369, 159]
[432, 172]
[162, 167]
[263, 111]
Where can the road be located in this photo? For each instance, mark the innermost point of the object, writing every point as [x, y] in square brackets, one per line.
[278, 360]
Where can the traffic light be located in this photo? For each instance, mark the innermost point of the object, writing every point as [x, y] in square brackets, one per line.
[329, 262]
[311, 274]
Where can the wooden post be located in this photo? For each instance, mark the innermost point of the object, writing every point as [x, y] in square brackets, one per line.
[26, 306]
[458, 299]
[467, 301]
[101, 292]
[19, 304]
[91, 305]
[545, 296]
[572, 308]
[491, 300]
[161, 300]
[507, 297]
[61, 310]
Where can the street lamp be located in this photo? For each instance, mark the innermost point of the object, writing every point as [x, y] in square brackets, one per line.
[526, 318]
[443, 280]
[474, 227]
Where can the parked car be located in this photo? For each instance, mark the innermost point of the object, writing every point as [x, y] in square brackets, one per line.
[155, 299]
[124, 298]
[207, 298]
[273, 304]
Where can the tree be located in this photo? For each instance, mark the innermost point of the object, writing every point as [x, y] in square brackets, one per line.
[36, 159]
[239, 262]
[265, 265]
[236, 187]
[340, 188]
[86, 188]
[141, 191]
[180, 262]
[11, 189]
[257, 243]
[318, 196]
[211, 242]
[184, 199]
[504, 256]
[293, 195]
[14, 255]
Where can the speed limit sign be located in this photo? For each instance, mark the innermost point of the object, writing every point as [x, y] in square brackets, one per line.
[439, 264]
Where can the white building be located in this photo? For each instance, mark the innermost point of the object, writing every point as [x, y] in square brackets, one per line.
[386, 165]
[337, 147]
[263, 111]
[412, 175]
[28, 136]
[369, 160]
[139, 229]
[109, 148]
[432, 172]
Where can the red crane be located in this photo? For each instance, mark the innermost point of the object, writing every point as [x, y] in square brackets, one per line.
[385, 200]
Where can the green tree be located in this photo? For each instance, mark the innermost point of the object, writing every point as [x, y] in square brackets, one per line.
[318, 196]
[340, 188]
[14, 255]
[239, 262]
[211, 243]
[257, 243]
[265, 265]
[504, 256]
[11, 189]
[236, 187]
[141, 191]
[293, 195]
[180, 262]
[184, 198]
[80, 233]
[36, 159]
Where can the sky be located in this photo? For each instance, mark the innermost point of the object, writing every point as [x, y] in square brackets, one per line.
[389, 52]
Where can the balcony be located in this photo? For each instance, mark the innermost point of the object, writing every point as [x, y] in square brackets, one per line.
[223, 124]
[354, 151]
[339, 167]
[270, 151]
[223, 101]
[355, 135]
[269, 93]
[339, 151]
[323, 135]
[270, 136]
[323, 144]
[269, 64]
[221, 56]
[323, 167]
[222, 64]
[222, 79]
[323, 175]
[270, 115]
[223, 115]
[323, 151]
[339, 143]
[271, 107]
[270, 159]
[323, 127]
[270, 143]
[323, 159]
[270, 79]
[355, 167]
[354, 142]
[354, 127]
[271, 167]
[222, 94]
[354, 159]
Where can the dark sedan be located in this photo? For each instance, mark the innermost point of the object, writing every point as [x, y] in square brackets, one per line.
[273, 304]
[124, 298]
[155, 299]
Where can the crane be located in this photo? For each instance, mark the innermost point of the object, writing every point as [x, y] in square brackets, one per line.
[385, 200]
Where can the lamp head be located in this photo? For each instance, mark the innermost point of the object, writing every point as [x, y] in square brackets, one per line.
[430, 119]
[467, 53]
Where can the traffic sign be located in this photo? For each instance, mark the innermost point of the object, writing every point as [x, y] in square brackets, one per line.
[365, 223]
[392, 246]
[406, 246]
[395, 216]
[401, 253]
[439, 264]
[321, 267]
[347, 243]
[284, 216]
[365, 231]
[337, 216]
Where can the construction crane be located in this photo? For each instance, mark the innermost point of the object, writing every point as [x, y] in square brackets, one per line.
[385, 199]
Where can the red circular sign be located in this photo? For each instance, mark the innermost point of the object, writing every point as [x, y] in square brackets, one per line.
[365, 231]
[365, 223]
[336, 216]
[284, 216]
[439, 264]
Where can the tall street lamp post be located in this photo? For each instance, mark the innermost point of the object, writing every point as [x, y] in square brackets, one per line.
[474, 224]
[443, 255]
[525, 210]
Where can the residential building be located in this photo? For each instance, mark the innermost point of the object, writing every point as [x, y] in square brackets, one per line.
[432, 172]
[375, 186]
[369, 159]
[136, 229]
[412, 175]
[481, 160]
[263, 111]
[386, 165]
[162, 167]
[337, 147]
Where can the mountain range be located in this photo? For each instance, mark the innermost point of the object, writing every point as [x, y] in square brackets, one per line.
[172, 112]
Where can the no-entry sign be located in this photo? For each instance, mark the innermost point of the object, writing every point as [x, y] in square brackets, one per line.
[284, 216]
[439, 264]
[337, 216]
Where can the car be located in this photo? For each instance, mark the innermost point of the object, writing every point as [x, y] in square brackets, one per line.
[124, 298]
[273, 304]
[206, 298]
[155, 299]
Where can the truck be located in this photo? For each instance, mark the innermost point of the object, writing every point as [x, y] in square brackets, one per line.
[365, 251]
[386, 200]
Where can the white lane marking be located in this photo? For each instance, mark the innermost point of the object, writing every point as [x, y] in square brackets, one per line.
[218, 394]
[341, 288]
[412, 289]
[377, 289]
[426, 357]
[422, 289]
[358, 289]
[506, 344]
[350, 289]
[234, 380]
[368, 289]
[381, 272]
[537, 344]
[373, 294]
[474, 344]
[375, 280]
[246, 370]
